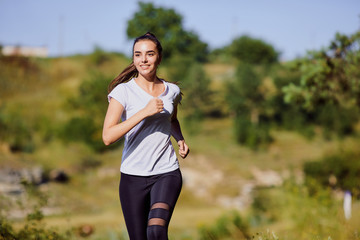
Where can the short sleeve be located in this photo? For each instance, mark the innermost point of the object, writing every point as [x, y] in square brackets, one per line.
[119, 94]
[178, 98]
[178, 95]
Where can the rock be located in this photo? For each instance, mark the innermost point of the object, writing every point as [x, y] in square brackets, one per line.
[85, 230]
[8, 175]
[33, 175]
[267, 178]
[11, 188]
[242, 201]
[58, 175]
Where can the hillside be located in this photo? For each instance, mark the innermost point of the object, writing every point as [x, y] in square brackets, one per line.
[265, 186]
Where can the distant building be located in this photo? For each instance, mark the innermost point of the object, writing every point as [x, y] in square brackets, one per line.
[25, 51]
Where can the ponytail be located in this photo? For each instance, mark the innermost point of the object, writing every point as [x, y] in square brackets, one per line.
[128, 73]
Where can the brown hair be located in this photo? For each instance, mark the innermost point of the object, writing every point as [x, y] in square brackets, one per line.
[130, 71]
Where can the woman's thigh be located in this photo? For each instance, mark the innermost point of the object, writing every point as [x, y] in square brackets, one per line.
[167, 189]
[135, 203]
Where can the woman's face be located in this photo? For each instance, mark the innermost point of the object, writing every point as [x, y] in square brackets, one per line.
[146, 57]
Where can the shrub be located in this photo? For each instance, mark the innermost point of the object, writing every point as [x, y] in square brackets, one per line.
[89, 107]
[33, 228]
[247, 103]
[98, 56]
[265, 207]
[251, 135]
[20, 74]
[337, 120]
[227, 226]
[265, 236]
[340, 170]
[83, 129]
[195, 86]
[15, 131]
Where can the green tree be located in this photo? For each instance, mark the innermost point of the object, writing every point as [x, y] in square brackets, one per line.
[281, 113]
[247, 105]
[329, 85]
[253, 51]
[89, 107]
[98, 56]
[195, 86]
[166, 24]
[328, 76]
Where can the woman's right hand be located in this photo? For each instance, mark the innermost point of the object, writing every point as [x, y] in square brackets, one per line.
[113, 129]
[153, 107]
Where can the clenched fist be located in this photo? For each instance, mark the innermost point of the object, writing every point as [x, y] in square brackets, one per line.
[183, 149]
[154, 106]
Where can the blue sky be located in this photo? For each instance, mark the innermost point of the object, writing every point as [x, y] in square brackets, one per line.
[76, 26]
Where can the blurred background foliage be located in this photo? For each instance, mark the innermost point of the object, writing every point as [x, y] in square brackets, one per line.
[167, 26]
[52, 109]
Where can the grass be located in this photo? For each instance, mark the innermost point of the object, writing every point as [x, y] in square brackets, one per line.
[288, 151]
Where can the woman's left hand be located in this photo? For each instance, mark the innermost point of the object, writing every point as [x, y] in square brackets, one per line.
[183, 148]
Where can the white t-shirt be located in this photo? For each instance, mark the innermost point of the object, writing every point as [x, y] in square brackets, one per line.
[147, 148]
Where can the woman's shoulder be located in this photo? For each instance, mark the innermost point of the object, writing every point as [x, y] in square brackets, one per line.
[123, 86]
[173, 86]
[120, 92]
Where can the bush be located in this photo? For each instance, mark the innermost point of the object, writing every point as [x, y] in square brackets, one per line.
[337, 120]
[340, 170]
[79, 129]
[195, 86]
[265, 236]
[227, 226]
[300, 213]
[15, 131]
[83, 129]
[98, 56]
[283, 113]
[251, 135]
[265, 207]
[248, 105]
[20, 74]
[33, 228]
[89, 107]
[6, 230]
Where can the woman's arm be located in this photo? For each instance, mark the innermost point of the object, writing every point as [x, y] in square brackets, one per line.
[177, 134]
[113, 130]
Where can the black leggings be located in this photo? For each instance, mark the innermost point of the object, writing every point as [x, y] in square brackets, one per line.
[148, 203]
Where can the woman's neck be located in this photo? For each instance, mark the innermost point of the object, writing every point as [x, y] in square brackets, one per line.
[150, 78]
[148, 81]
[150, 84]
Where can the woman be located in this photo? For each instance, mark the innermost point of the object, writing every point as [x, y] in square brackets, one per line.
[147, 107]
